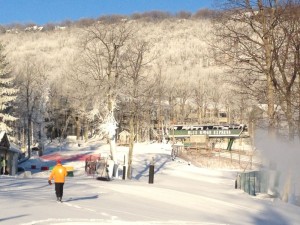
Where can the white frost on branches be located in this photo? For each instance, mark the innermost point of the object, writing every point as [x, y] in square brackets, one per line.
[109, 125]
[7, 94]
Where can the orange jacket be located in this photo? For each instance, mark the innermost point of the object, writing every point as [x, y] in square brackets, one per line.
[58, 173]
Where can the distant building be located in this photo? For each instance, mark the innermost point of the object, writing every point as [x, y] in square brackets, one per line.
[9, 154]
[124, 137]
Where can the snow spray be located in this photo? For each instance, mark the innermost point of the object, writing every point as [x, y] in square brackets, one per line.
[284, 158]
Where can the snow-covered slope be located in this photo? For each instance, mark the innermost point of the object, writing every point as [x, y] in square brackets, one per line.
[181, 194]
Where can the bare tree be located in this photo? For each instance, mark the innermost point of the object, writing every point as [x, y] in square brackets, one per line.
[159, 87]
[245, 32]
[286, 61]
[101, 64]
[136, 82]
[183, 94]
[31, 81]
[67, 104]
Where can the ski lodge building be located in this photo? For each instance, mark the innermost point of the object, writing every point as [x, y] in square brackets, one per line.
[9, 154]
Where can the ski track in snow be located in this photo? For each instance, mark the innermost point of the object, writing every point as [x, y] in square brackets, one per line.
[70, 221]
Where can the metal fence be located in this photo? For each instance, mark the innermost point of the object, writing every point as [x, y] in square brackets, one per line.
[258, 182]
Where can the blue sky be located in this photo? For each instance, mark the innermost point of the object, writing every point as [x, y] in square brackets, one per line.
[55, 11]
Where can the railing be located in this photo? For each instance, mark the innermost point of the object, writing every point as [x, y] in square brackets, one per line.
[258, 182]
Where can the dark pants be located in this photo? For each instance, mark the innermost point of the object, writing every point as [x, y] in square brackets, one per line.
[59, 189]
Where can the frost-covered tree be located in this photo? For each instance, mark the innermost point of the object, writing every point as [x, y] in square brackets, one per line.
[101, 62]
[136, 83]
[178, 46]
[259, 42]
[32, 81]
[7, 94]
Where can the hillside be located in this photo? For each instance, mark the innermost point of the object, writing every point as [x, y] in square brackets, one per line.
[180, 46]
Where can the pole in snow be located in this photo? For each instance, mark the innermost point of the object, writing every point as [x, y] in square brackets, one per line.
[124, 172]
[151, 172]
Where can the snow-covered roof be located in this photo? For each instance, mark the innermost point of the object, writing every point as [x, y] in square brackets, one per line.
[4, 142]
[2, 133]
[7, 145]
[14, 148]
[124, 132]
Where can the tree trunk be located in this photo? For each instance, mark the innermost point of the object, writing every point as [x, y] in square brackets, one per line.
[29, 135]
[112, 129]
[299, 104]
[78, 128]
[271, 111]
[199, 112]
[289, 113]
[86, 130]
[268, 71]
[131, 144]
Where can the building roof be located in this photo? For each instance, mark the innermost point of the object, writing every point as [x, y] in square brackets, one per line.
[14, 148]
[124, 132]
[5, 145]
[4, 142]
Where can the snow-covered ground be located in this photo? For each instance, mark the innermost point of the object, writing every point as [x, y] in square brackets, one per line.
[181, 193]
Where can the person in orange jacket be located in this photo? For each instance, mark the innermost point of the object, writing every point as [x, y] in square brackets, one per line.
[58, 173]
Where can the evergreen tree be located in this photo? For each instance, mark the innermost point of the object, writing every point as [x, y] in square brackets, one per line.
[7, 94]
